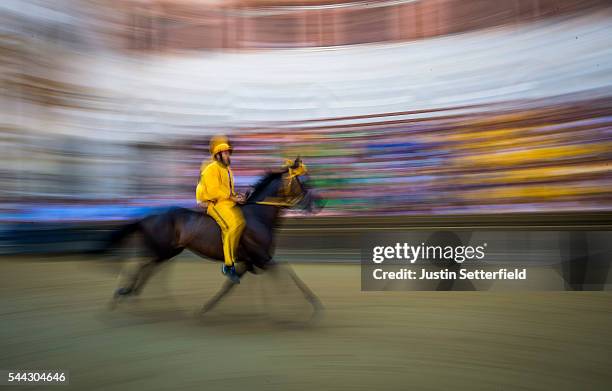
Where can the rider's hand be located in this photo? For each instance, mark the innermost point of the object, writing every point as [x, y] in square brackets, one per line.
[238, 198]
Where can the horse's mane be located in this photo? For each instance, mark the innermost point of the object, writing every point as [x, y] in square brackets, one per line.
[263, 182]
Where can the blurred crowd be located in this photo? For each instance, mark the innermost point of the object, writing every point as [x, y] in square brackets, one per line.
[548, 158]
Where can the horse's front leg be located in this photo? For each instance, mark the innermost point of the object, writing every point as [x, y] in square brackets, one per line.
[225, 289]
[309, 295]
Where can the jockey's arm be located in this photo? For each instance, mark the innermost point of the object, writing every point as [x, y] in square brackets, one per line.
[212, 186]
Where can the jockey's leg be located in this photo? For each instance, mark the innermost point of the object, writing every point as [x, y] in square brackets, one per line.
[227, 250]
[235, 231]
[232, 223]
[219, 213]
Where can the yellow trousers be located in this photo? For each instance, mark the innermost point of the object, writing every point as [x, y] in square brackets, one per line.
[230, 219]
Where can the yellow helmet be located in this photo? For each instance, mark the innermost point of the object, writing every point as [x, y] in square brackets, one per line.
[219, 144]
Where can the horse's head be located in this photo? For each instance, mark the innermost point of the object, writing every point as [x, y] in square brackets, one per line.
[296, 181]
[287, 188]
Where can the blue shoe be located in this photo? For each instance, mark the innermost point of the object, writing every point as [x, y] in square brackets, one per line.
[230, 272]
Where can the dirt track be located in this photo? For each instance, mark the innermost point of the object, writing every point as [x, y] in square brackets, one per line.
[53, 314]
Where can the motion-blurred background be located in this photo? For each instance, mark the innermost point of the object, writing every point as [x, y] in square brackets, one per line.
[446, 122]
[432, 107]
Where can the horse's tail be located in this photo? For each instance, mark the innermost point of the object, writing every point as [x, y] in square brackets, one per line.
[117, 237]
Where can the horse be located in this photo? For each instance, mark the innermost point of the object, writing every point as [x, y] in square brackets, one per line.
[167, 234]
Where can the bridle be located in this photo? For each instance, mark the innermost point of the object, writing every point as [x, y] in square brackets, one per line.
[287, 200]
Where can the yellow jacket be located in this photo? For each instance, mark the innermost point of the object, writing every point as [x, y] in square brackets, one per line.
[216, 182]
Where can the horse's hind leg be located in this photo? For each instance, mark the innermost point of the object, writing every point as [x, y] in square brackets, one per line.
[143, 274]
[137, 280]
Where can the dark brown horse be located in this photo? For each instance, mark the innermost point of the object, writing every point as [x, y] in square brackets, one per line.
[167, 234]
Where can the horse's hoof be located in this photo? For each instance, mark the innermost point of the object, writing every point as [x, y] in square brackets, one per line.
[112, 305]
[123, 292]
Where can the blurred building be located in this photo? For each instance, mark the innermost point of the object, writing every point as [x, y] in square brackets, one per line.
[254, 24]
[396, 106]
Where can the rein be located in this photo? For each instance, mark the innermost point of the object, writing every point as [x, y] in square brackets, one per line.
[292, 202]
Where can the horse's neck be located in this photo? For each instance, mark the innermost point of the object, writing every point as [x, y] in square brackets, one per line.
[268, 215]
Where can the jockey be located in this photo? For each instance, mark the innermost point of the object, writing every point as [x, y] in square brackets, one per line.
[216, 188]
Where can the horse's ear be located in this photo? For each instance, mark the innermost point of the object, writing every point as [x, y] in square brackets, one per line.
[297, 162]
